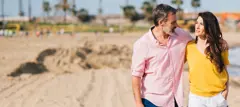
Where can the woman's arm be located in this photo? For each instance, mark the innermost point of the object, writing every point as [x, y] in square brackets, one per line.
[225, 92]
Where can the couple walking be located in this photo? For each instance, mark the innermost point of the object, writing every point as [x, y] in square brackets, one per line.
[159, 56]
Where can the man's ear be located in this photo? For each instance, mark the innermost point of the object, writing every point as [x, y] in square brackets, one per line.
[161, 22]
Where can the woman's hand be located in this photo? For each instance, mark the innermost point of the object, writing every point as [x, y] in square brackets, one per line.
[225, 94]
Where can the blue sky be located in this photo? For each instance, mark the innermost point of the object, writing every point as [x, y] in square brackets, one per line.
[113, 6]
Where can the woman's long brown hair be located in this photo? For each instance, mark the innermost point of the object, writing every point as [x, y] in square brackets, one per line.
[214, 39]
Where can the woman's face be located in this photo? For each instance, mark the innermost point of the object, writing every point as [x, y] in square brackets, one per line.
[199, 28]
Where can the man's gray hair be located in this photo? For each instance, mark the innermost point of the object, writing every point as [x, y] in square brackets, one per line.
[161, 12]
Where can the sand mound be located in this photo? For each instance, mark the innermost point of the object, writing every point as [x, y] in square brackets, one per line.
[29, 68]
[45, 53]
[88, 56]
[112, 56]
[34, 67]
[94, 56]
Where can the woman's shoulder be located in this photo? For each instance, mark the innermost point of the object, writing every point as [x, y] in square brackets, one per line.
[191, 43]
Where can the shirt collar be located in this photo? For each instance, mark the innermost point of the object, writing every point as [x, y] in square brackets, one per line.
[151, 36]
[154, 40]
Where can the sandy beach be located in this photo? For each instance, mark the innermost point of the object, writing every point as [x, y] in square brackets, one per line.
[79, 71]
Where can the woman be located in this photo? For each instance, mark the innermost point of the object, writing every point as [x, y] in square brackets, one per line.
[207, 58]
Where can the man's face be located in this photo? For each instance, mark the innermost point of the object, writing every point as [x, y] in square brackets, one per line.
[170, 24]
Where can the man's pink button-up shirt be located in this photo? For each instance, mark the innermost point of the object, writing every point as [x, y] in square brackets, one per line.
[160, 67]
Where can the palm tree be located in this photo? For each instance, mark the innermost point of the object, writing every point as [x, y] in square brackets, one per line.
[147, 8]
[21, 13]
[180, 10]
[195, 4]
[46, 7]
[131, 13]
[2, 2]
[100, 10]
[73, 9]
[64, 6]
[83, 15]
[29, 10]
[178, 3]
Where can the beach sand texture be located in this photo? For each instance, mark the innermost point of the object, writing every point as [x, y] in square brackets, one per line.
[80, 71]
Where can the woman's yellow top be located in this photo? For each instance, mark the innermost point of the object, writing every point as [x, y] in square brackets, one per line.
[204, 78]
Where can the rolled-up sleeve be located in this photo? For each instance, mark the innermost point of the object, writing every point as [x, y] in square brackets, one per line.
[139, 59]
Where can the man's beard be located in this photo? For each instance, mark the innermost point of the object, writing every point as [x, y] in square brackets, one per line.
[173, 30]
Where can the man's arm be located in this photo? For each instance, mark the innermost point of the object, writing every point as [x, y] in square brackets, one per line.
[136, 82]
[138, 67]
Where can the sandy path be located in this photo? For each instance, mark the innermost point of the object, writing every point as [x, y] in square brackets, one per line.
[110, 89]
[78, 88]
[100, 88]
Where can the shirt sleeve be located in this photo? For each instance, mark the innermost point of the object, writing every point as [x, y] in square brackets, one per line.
[188, 37]
[185, 36]
[225, 58]
[138, 59]
[186, 53]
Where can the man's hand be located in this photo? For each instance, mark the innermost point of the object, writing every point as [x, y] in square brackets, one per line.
[139, 105]
[136, 81]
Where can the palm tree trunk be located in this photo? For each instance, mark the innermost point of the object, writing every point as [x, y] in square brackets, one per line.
[20, 8]
[44, 12]
[100, 8]
[127, 2]
[74, 8]
[65, 3]
[65, 16]
[29, 10]
[3, 16]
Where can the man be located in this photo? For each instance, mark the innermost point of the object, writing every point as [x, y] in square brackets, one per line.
[157, 61]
